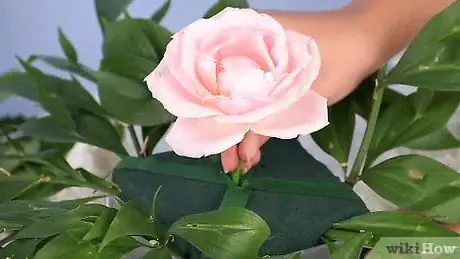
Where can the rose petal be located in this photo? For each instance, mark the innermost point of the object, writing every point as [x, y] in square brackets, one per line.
[180, 58]
[248, 19]
[175, 98]
[203, 137]
[304, 59]
[299, 43]
[293, 86]
[307, 115]
[262, 111]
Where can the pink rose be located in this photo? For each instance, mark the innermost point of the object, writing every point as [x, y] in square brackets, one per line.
[236, 72]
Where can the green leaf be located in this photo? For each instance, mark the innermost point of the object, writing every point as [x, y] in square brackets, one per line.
[52, 226]
[409, 120]
[55, 92]
[222, 4]
[19, 83]
[417, 183]
[432, 60]
[352, 249]
[147, 112]
[21, 249]
[163, 253]
[160, 14]
[438, 140]
[129, 221]
[45, 129]
[152, 135]
[121, 85]
[22, 146]
[26, 212]
[128, 66]
[133, 47]
[331, 246]
[345, 235]
[50, 100]
[67, 47]
[99, 132]
[99, 183]
[90, 129]
[336, 138]
[70, 245]
[66, 65]
[395, 224]
[13, 186]
[226, 233]
[101, 226]
[109, 10]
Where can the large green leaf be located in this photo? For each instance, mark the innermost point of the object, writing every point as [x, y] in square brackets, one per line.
[50, 97]
[100, 227]
[336, 138]
[160, 14]
[222, 4]
[21, 249]
[433, 59]
[121, 85]
[26, 212]
[417, 183]
[19, 83]
[70, 245]
[395, 224]
[69, 66]
[90, 129]
[420, 114]
[99, 132]
[67, 47]
[352, 248]
[129, 221]
[54, 92]
[45, 129]
[109, 10]
[142, 42]
[440, 139]
[226, 233]
[13, 186]
[147, 112]
[61, 223]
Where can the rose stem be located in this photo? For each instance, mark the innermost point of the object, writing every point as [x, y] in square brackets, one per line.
[377, 96]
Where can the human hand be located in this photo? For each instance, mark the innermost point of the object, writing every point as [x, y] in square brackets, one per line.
[346, 59]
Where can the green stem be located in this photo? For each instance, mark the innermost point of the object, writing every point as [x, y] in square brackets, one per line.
[134, 139]
[236, 175]
[360, 161]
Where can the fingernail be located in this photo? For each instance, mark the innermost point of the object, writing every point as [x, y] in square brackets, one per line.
[226, 171]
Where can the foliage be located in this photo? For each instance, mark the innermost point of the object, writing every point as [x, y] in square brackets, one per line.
[33, 151]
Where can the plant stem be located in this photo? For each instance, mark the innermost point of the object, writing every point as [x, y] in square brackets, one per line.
[236, 175]
[134, 139]
[360, 161]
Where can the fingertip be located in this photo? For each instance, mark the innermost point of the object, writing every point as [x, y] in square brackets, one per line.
[230, 159]
[249, 148]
